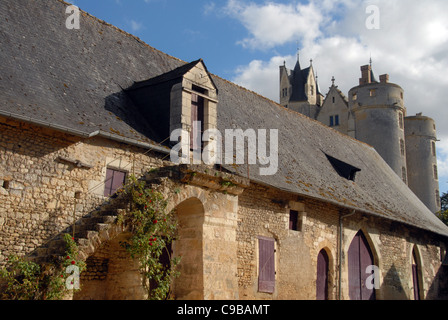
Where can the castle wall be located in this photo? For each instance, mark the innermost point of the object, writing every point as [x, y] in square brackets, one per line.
[379, 112]
[421, 158]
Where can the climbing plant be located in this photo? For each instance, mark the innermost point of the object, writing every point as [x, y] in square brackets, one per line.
[22, 279]
[153, 230]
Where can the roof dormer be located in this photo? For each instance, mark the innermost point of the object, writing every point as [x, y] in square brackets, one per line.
[178, 99]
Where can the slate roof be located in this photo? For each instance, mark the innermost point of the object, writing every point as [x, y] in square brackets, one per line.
[74, 80]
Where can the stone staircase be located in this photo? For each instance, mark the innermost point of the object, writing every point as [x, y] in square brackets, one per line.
[89, 232]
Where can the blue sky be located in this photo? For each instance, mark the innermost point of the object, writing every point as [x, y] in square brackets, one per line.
[246, 41]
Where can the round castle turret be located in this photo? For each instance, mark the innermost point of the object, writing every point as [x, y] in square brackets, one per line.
[379, 111]
[420, 132]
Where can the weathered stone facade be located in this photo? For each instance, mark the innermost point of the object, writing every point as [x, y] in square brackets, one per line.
[219, 226]
[41, 194]
[262, 214]
[242, 234]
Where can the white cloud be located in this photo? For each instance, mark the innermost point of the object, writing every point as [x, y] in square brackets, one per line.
[274, 24]
[135, 25]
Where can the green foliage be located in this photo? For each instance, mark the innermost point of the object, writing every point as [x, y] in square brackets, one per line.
[27, 280]
[153, 229]
[443, 214]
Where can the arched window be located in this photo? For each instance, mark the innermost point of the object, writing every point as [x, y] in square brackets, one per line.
[322, 276]
[360, 257]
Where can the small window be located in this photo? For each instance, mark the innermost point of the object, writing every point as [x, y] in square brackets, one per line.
[373, 92]
[331, 121]
[436, 173]
[115, 179]
[293, 220]
[266, 265]
[334, 100]
[433, 148]
[404, 174]
[355, 96]
[336, 120]
[312, 90]
[438, 198]
[400, 120]
[402, 147]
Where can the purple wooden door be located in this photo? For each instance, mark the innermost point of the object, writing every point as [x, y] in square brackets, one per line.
[415, 278]
[359, 258]
[322, 276]
[266, 271]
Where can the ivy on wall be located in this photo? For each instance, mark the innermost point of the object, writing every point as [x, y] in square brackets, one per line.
[153, 230]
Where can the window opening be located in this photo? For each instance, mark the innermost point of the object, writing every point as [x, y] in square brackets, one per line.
[345, 170]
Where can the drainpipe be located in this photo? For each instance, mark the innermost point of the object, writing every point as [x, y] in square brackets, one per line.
[341, 218]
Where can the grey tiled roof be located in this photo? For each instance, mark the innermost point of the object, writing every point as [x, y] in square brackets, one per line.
[75, 80]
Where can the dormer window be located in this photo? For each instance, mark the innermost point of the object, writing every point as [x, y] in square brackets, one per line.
[344, 169]
[181, 99]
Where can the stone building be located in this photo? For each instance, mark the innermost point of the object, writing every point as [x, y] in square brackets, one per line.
[82, 109]
[374, 112]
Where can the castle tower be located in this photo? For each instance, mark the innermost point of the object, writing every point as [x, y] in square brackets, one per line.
[299, 90]
[420, 133]
[379, 111]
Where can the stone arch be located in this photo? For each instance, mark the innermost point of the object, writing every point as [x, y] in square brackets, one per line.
[371, 240]
[190, 215]
[370, 258]
[111, 273]
[331, 275]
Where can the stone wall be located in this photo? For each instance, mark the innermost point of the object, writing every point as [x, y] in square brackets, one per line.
[43, 190]
[264, 212]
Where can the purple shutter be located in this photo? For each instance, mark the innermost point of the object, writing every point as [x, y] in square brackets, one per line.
[322, 276]
[118, 181]
[108, 182]
[197, 114]
[266, 273]
[359, 258]
[194, 117]
[114, 181]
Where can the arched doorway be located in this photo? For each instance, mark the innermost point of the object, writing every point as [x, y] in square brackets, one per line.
[323, 263]
[189, 247]
[415, 275]
[360, 257]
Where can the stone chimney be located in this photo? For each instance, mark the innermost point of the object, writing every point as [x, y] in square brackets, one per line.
[366, 75]
[384, 78]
